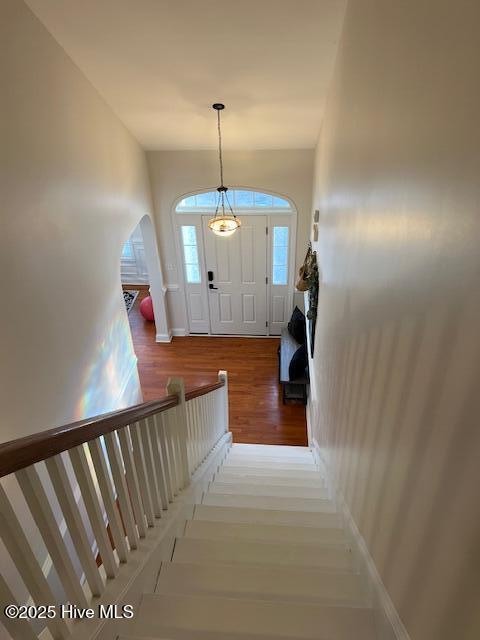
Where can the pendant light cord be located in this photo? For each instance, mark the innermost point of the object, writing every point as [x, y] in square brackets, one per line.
[222, 190]
[220, 148]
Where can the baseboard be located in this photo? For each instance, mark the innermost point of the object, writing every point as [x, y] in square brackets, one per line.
[389, 624]
[163, 337]
[181, 332]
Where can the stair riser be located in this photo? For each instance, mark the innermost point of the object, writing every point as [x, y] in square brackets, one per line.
[300, 621]
[266, 516]
[269, 502]
[206, 530]
[277, 481]
[232, 552]
[268, 490]
[268, 449]
[265, 583]
[243, 459]
[269, 464]
[258, 470]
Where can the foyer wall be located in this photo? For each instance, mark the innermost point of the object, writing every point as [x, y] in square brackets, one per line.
[74, 184]
[395, 403]
[174, 173]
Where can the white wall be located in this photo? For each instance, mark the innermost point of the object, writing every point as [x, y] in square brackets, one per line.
[396, 402]
[175, 173]
[74, 185]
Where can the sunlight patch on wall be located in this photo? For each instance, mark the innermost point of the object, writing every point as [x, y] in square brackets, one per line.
[112, 370]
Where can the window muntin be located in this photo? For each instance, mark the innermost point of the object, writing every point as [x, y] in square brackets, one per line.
[190, 254]
[239, 199]
[280, 255]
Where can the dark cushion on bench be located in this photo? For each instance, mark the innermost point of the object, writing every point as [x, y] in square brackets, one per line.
[288, 347]
[296, 326]
[298, 363]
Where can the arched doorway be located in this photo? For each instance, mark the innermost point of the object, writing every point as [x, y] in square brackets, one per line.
[242, 284]
[140, 265]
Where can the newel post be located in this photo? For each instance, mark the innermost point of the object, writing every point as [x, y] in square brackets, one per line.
[176, 387]
[223, 375]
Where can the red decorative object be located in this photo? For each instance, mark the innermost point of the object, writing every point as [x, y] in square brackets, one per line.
[146, 309]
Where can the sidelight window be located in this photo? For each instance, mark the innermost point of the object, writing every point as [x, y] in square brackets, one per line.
[190, 254]
[280, 256]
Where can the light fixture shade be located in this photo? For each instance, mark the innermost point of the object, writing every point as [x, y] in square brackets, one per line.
[224, 225]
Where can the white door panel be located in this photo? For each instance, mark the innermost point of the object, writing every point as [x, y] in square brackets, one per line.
[239, 264]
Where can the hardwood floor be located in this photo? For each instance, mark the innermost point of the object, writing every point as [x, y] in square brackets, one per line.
[257, 414]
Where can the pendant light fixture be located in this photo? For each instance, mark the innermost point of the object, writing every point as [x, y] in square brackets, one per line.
[225, 222]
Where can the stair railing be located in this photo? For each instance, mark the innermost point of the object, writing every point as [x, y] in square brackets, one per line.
[127, 465]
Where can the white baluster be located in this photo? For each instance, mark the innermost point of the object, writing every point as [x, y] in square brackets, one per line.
[223, 375]
[94, 510]
[108, 496]
[189, 435]
[170, 419]
[68, 504]
[132, 481]
[161, 425]
[118, 473]
[198, 429]
[176, 386]
[192, 405]
[17, 628]
[204, 428]
[158, 462]
[211, 421]
[44, 517]
[141, 469]
[152, 477]
[27, 565]
[220, 413]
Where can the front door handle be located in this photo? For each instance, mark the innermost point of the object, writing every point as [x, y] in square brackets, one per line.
[210, 286]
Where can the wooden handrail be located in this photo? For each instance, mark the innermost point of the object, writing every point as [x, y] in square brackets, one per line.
[23, 452]
[203, 390]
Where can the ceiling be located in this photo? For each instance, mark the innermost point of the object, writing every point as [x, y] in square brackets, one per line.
[160, 64]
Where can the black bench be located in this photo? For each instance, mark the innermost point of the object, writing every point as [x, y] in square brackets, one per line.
[291, 389]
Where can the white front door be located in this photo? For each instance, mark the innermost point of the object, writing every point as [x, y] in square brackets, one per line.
[237, 291]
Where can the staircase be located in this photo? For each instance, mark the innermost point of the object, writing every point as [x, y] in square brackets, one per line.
[264, 556]
[204, 539]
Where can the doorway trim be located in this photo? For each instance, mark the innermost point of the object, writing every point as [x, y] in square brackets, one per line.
[292, 214]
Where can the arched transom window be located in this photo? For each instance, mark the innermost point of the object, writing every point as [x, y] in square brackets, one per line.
[240, 199]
